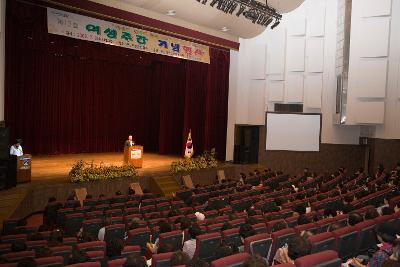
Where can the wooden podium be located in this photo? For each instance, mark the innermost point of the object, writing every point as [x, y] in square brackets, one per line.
[24, 168]
[134, 155]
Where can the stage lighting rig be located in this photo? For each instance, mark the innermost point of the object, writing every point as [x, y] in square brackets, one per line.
[253, 10]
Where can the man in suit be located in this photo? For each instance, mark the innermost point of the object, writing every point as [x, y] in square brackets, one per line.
[129, 142]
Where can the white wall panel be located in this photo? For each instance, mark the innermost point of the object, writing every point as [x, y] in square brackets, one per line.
[313, 90]
[374, 37]
[295, 53]
[315, 54]
[276, 77]
[276, 91]
[257, 63]
[256, 100]
[294, 86]
[297, 27]
[372, 78]
[373, 8]
[370, 112]
[276, 52]
[316, 18]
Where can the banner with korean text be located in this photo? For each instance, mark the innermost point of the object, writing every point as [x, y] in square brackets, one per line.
[90, 29]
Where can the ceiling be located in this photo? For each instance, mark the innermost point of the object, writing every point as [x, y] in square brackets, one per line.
[204, 18]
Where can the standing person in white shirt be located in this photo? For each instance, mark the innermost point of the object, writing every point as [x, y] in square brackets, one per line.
[16, 149]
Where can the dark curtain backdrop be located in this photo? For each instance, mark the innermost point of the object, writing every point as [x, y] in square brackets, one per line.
[71, 96]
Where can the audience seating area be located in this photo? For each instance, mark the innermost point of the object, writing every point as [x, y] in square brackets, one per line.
[269, 202]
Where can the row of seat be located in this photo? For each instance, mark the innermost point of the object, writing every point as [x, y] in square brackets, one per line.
[327, 258]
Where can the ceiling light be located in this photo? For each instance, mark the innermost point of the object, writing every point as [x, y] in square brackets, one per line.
[225, 29]
[171, 13]
[253, 10]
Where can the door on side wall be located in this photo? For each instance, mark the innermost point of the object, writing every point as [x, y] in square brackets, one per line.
[246, 144]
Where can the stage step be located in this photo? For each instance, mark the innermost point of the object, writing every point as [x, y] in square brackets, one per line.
[164, 185]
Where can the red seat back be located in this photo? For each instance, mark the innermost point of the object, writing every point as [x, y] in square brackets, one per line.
[160, 259]
[17, 256]
[322, 259]
[259, 244]
[233, 260]
[47, 261]
[322, 241]
[206, 245]
[92, 246]
[85, 264]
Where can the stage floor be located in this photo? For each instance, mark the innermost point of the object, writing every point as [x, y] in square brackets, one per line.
[56, 167]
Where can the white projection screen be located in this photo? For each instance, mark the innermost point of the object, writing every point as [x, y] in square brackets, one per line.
[293, 132]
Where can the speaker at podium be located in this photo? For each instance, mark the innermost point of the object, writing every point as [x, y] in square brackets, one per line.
[133, 155]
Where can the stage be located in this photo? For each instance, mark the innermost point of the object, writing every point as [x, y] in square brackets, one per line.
[55, 168]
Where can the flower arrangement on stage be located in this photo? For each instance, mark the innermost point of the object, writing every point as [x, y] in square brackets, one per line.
[82, 171]
[206, 161]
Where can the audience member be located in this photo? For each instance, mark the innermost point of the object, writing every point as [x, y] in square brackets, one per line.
[50, 212]
[334, 226]
[303, 219]
[255, 261]
[189, 246]
[78, 256]
[245, 231]
[297, 247]
[179, 258]
[164, 228]
[226, 226]
[387, 211]
[223, 251]
[56, 238]
[355, 218]
[346, 207]
[371, 214]
[386, 235]
[329, 212]
[279, 226]
[251, 220]
[114, 247]
[299, 210]
[102, 231]
[135, 260]
[394, 259]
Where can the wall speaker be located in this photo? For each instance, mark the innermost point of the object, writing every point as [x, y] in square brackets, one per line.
[4, 143]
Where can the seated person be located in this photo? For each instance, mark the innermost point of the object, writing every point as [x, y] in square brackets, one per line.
[386, 235]
[179, 258]
[114, 248]
[255, 261]
[394, 259]
[164, 228]
[297, 247]
[355, 218]
[135, 260]
[245, 231]
[371, 214]
[189, 246]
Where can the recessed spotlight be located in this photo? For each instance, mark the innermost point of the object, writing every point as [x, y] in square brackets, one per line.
[171, 13]
[225, 29]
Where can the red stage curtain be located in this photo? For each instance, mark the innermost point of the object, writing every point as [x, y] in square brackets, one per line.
[70, 96]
